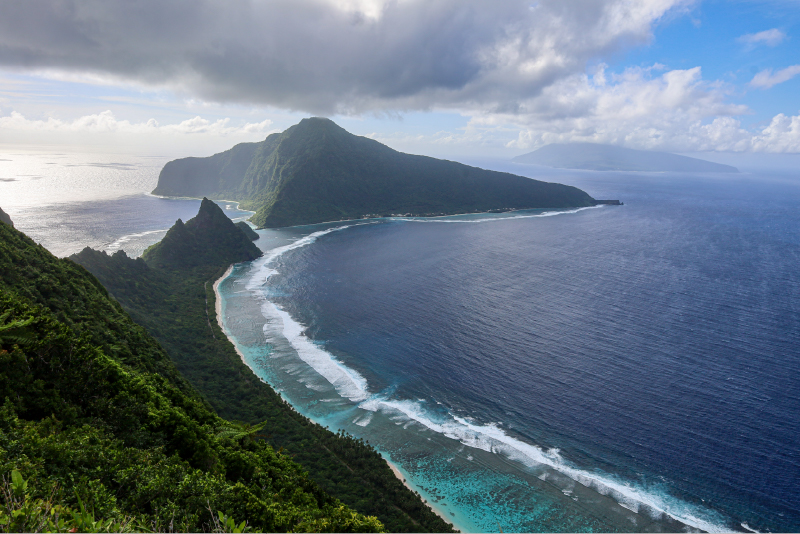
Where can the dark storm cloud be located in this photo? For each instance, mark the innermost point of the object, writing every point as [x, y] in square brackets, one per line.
[324, 57]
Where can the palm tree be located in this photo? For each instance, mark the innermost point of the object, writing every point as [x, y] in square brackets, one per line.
[236, 430]
[13, 332]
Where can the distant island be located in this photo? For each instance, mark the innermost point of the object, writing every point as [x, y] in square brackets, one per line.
[597, 157]
[316, 172]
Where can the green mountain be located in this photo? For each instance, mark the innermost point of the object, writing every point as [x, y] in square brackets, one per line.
[316, 171]
[597, 157]
[4, 218]
[170, 293]
[210, 238]
[99, 432]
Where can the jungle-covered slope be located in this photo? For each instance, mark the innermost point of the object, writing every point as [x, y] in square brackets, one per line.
[169, 292]
[99, 431]
[316, 171]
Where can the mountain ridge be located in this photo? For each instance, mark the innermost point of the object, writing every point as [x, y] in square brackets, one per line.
[96, 416]
[315, 171]
[170, 293]
[210, 237]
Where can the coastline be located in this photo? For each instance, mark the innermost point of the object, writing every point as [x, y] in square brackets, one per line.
[554, 211]
[441, 513]
[401, 217]
[393, 467]
[218, 311]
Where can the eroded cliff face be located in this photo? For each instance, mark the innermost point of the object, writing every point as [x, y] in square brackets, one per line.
[4, 218]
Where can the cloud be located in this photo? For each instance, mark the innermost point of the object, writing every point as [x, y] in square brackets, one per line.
[772, 37]
[782, 135]
[766, 79]
[335, 56]
[105, 122]
[645, 108]
[517, 68]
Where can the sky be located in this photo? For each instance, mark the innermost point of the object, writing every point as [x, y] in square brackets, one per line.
[445, 78]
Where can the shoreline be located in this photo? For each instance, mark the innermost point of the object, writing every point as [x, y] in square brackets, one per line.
[433, 507]
[422, 217]
[218, 312]
[393, 467]
[440, 512]
[513, 210]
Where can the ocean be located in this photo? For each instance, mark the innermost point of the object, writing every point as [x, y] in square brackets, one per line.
[67, 199]
[620, 368]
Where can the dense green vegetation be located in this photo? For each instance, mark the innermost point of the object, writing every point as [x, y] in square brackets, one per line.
[210, 239]
[99, 432]
[170, 293]
[316, 171]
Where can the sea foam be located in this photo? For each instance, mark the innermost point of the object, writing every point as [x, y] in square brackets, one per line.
[347, 382]
[491, 438]
[500, 217]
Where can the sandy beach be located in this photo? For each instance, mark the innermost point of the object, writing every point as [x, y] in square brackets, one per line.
[441, 513]
[218, 310]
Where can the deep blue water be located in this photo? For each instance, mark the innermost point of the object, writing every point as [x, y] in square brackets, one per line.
[521, 371]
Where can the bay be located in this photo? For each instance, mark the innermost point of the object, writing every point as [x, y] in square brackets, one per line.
[617, 368]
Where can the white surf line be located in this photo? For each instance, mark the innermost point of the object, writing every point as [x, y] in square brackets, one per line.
[492, 439]
[448, 219]
[124, 239]
[347, 382]
[221, 323]
[357, 378]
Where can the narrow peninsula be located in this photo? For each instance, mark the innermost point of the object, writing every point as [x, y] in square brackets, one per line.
[317, 172]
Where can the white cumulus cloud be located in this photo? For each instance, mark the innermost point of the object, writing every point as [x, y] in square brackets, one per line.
[766, 78]
[517, 68]
[647, 108]
[772, 37]
[106, 122]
